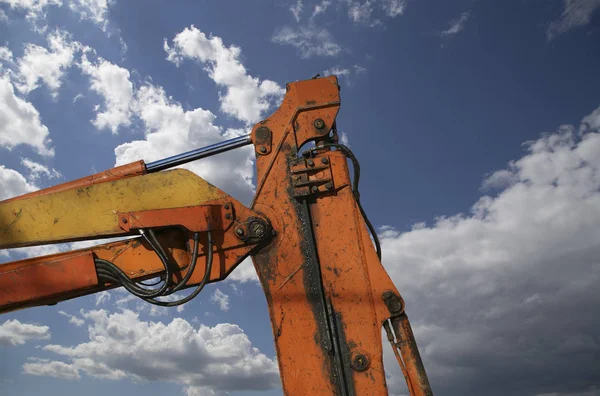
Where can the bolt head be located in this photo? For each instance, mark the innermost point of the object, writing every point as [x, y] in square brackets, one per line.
[310, 162]
[314, 189]
[124, 220]
[262, 149]
[329, 186]
[324, 161]
[226, 206]
[228, 216]
[239, 231]
[258, 230]
[388, 294]
[319, 123]
[262, 132]
[360, 361]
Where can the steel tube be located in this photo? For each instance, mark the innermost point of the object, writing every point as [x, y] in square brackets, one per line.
[199, 153]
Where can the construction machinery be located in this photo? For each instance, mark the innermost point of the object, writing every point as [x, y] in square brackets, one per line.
[316, 253]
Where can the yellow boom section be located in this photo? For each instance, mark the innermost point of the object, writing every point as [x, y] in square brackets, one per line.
[92, 211]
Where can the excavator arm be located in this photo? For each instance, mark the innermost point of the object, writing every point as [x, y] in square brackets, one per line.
[316, 254]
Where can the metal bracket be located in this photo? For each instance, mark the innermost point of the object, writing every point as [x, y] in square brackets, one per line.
[263, 140]
[195, 218]
[311, 176]
[253, 230]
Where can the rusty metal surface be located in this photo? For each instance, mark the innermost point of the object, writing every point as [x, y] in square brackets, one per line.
[205, 217]
[415, 370]
[285, 267]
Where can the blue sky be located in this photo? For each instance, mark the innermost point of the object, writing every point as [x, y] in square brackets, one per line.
[477, 127]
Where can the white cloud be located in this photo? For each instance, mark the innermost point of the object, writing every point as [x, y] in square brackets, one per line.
[393, 8]
[457, 25]
[5, 54]
[244, 272]
[245, 97]
[13, 332]
[337, 71]
[102, 297]
[576, 13]
[36, 170]
[20, 122]
[3, 16]
[34, 9]
[344, 73]
[591, 121]
[42, 367]
[321, 8]
[484, 288]
[49, 66]
[360, 13]
[221, 299]
[216, 359]
[94, 10]
[73, 319]
[13, 184]
[308, 40]
[296, 9]
[170, 130]
[113, 84]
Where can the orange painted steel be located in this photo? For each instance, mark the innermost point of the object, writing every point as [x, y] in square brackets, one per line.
[136, 168]
[49, 279]
[327, 292]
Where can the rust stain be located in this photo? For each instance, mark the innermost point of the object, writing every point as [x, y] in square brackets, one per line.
[290, 276]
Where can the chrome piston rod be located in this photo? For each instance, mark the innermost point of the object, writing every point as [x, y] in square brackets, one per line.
[199, 153]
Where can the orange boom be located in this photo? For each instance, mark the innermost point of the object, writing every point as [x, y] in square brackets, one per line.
[309, 238]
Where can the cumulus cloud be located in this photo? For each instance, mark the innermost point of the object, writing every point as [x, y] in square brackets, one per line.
[308, 40]
[245, 97]
[576, 13]
[504, 298]
[73, 319]
[46, 65]
[457, 25]
[221, 299]
[12, 183]
[33, 9]
[43, 367]
[217, 359]
[113, 84]
[244, 272]
[170, 130]
[13, 332]
[37, 170]
[93, 10]
[20, 121]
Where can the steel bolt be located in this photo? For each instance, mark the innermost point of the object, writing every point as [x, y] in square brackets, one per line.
[262, 149]
[228, 216]
[258, 229]
[310, 162]
[360, 362]
[239, 231]
[124, 220]
[262, 133]
[226, 206]
[329, 186]
[324, 160]
[314, 189]
[319, 123]
[388, 294]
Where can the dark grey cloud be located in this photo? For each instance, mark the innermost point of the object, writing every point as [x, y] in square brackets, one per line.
[505, 300]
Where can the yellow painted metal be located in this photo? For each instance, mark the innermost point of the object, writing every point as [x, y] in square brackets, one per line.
[92, 211]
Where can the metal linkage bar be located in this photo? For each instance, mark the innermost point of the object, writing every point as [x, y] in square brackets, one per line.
[199, 153]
